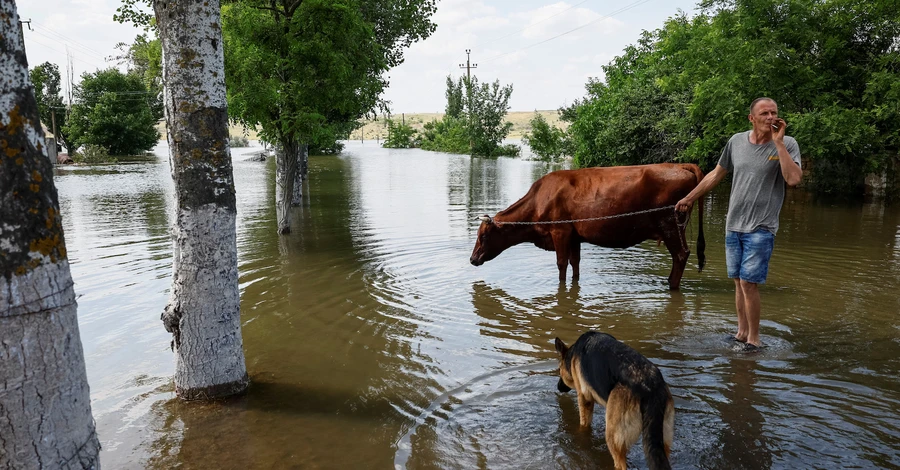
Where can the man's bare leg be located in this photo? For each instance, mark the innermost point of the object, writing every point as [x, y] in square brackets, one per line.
[750, 292]
[741, 309]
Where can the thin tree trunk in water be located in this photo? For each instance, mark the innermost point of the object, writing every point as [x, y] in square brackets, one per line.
[203, 313]
[285, 175]
[303, 166]
[45, 407]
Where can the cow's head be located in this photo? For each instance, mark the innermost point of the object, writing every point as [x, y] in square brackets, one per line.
[490, 242]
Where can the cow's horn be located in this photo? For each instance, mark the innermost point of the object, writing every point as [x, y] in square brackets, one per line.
[485, 218]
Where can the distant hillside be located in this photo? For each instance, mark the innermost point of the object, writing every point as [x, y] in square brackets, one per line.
[377, 129]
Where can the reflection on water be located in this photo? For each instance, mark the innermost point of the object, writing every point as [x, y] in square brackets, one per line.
[371, 341]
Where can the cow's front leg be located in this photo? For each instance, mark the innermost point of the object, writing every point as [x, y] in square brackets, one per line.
[563, 248]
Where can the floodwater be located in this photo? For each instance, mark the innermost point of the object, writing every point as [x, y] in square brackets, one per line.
[372, 342]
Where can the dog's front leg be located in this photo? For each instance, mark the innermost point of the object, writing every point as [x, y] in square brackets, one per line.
[585, 410]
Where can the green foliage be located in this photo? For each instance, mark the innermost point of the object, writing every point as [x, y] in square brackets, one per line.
[684, 89]
[486, 109]
[136, 12]
[305, 72]
[400, 136]
[144, 59]
[546, 141]
[446, 135]
[507, 150]
[454, 96]
[474, 125]
[112, 110]
[45, 78]
[92, 154]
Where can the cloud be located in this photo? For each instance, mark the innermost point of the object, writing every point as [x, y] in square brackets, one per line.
[560, 18]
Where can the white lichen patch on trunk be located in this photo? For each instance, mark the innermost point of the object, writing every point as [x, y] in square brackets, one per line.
[44, 398]
[205, 293]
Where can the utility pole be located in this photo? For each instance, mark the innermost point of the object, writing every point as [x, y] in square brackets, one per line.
[22, 31]
[468, 65]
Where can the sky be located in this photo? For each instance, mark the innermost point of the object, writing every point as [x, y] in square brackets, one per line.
[547, 50]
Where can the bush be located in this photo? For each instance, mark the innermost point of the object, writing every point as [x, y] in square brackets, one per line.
[400, 136]
[236, 141]
[507, 150]
[546, 141]
[447, 135]
[91, 154]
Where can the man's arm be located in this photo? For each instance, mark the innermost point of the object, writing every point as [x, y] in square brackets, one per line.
[706, 185]
[790, 170]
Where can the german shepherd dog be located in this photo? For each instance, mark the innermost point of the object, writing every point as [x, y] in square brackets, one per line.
[604, 370]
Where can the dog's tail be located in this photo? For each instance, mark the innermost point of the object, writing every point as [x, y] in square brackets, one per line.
[653, 413]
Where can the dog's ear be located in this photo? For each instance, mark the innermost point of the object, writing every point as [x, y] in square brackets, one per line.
[560, 347]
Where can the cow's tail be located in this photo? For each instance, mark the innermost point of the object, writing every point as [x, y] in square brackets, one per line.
[701, 241]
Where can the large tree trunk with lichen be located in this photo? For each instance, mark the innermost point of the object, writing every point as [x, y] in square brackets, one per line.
[300, 176]
[286, 171]
[45, 407]
[203, 313]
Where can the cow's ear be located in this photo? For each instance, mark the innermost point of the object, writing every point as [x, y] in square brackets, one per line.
[485, 218]
[560, 347]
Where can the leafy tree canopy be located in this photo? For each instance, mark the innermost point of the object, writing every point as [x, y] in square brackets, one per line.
[112, 110]
[144, 59]
[474, 122]
[833, 66]
[46, 81]
[307, 70]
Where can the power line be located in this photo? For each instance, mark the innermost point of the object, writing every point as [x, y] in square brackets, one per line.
[92, 55]
[60, 35]
[32, 39]
[535, 23]
[604, 17]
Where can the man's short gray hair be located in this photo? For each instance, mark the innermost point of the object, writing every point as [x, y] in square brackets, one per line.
[762, 98]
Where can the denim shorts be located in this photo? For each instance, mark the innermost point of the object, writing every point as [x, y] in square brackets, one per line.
[747, 255]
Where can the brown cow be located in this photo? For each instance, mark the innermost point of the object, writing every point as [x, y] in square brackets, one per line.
[592, 193]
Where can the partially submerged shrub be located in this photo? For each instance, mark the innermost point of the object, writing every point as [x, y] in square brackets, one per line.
[548, 142]
[400, 136]
[90, 154]
[235, 141]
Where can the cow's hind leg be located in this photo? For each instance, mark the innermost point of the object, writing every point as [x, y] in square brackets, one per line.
[675, 242]
[575, 260]
[562, 245]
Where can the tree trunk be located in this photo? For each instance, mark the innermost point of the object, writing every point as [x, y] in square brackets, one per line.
[203, 313]
[286, 159]
[303, 168]
[45, 406]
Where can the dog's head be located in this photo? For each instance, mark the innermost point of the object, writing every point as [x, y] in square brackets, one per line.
[565, 383]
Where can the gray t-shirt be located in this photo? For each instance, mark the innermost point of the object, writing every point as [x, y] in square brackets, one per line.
[757, 188]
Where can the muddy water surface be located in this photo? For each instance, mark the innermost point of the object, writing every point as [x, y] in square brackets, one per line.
[372, 343]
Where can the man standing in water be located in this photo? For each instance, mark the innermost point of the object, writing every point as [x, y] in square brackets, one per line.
[762, 159]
